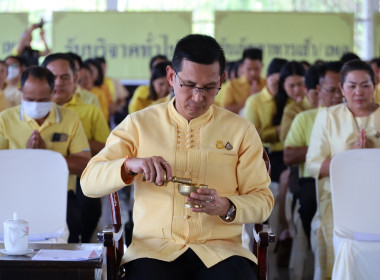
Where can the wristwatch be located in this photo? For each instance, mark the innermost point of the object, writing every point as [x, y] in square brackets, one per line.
[230, 213]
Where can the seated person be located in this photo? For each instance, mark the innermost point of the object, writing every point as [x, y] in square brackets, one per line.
[41, 124]
[355, 124]
[236, 91]
[298, 139]
[192, 138]
[141, 93]
[158, 89]
[16, 65]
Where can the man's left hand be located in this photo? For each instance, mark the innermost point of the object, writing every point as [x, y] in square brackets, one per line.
[210, 202]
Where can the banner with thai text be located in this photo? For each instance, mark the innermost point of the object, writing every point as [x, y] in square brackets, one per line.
[12, 27]
[127, 40]
[290, 35]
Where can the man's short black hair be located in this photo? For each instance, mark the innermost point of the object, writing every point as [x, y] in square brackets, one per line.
[200, 49]
[356, 65]
[154, 58]
[40, 73]
[332, 66]
[55, 56]
[253, 54]
[76, 57]
[312, 77]
[348, 56]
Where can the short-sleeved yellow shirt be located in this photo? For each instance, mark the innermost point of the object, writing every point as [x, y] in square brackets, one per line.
[94, 124]
[300, 132]
[62, 132]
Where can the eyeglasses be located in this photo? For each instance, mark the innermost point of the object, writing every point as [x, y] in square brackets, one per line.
[332, 90]
[206, 91]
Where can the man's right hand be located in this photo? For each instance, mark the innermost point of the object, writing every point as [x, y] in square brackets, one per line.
[35, 141]
[153, 168]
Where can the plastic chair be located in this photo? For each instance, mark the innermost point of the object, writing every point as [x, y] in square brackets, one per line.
[355, 191]
[34, 184]
[112, 238]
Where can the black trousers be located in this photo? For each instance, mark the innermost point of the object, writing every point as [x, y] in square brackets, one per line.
[277, 165]
[188, 267]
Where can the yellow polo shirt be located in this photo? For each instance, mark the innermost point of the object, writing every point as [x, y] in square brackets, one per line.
[290, 111]
[260, 109]
[94, 124]
[163, 228]
[237, 90]
[87, 96]
[16, 128]
[13, 95]
[300, 132]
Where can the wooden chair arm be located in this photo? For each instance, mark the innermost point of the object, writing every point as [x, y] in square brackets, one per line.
[263, 235]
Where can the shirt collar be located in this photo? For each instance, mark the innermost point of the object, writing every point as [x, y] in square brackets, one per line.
[203, 119]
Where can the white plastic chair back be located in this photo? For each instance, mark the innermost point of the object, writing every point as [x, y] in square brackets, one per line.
[34, 184]
[355, 191]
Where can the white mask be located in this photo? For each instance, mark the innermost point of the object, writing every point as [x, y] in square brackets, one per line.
[36, 110]
[13, 71]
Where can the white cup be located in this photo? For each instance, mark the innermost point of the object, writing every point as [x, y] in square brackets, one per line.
[16, 235]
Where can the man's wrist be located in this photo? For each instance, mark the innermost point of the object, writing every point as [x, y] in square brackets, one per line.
[231, 212]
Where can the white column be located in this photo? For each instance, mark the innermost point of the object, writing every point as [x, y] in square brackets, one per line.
[112, 5]
[369, 7]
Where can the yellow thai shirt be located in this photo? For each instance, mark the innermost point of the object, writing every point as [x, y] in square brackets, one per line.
[94, 124]
[16, 128]
[163, 228]
[260, 109]
[335, 131]
[237, 90]
[300, 132]
[87, 96]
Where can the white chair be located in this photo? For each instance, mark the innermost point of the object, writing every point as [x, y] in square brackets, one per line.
[355, 190]
[34, 184]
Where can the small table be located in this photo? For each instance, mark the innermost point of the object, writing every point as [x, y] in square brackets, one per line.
[23, 267]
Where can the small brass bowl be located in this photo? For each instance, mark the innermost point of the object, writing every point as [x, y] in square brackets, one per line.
[185, 189]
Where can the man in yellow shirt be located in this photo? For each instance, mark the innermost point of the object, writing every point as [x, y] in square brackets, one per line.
[40, 124]
[298, 138]
[192, 138]
[236, 91]
[93, 121]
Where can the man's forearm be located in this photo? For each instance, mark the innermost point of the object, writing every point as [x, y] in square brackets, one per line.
[295, 155]
[95, 146]
[77, 164]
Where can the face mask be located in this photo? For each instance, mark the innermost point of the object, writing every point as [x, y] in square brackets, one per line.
[13, 71]
[36, 110]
